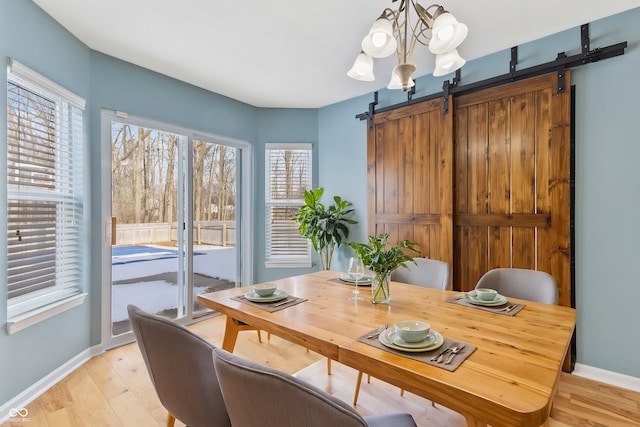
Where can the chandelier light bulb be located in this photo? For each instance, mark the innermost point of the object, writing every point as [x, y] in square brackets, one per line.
[379, 39]
[380, 42]
[447, 34]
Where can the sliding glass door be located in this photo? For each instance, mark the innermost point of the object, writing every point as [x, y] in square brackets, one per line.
[215, 260]
[175, 220]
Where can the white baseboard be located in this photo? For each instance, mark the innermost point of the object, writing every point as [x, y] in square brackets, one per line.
[19, 402]
[607, 377]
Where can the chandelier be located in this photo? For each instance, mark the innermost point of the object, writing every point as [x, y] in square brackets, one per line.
[393, 32]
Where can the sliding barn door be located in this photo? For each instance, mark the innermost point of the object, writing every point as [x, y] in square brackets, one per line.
[512, 182]
[410, 177]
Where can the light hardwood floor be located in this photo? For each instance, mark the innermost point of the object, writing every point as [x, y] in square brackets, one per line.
[113, 389]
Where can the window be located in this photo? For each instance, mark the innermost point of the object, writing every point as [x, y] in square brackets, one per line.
[288, 175]
[45, 208]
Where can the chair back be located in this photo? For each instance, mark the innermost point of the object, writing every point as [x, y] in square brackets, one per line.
[180, 365]
[257, 395]
[428, 273]
[521, 283]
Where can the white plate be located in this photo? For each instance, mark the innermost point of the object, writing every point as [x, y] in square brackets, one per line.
[276, 296]
[395, 338]
[346, 278]
[473, 299]
[386, 339]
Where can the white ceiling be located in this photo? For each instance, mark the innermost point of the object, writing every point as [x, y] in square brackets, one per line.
[294, 53]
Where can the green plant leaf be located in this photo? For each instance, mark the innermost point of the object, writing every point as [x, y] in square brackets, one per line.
[380, 260]
[325, 227]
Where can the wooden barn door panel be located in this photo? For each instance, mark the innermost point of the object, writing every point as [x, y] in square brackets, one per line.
[512, 189]
[410, 177]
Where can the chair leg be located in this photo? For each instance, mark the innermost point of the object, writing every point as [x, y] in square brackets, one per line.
[328, 366]
[171, 420]
[259, 336]
[357, 392]
[368, 379]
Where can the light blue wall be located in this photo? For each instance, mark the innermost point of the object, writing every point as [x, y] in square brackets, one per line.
[279, 125]
[29, 355]
[607, 178]
[608, 201]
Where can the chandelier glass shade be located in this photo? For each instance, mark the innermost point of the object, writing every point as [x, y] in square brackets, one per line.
[398, 31]
[396, 78]
[362, 68]
[447, 63]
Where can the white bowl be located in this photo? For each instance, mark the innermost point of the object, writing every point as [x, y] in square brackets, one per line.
[486, 294]
[265, 289]
[412, 330]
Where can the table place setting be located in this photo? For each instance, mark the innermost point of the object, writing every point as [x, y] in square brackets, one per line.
[416, 340]
[346, 279]
[268, 297]
[488, 300]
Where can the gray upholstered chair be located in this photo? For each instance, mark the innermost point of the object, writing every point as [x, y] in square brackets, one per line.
[520, 283]
[259, 396]
[180, 365]
[428, 273]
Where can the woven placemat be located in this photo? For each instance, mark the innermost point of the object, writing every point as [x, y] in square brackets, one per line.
[425, 357]
[271, 306]
[508, 309]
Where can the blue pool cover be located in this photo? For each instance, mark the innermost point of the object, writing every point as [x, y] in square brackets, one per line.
[117, 251]
[132, 250]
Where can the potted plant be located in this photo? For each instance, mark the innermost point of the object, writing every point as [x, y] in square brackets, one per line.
[326, 227]
[382, 261]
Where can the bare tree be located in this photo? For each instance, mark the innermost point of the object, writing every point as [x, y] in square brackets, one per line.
[144, 177]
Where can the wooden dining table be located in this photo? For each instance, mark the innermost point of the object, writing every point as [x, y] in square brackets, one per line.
[509, 380]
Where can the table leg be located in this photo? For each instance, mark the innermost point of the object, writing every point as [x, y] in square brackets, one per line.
[474, 422]
[230, 335]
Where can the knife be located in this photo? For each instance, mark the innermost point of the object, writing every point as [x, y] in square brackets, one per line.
[438, 357]
[377, 332]
[287, 301]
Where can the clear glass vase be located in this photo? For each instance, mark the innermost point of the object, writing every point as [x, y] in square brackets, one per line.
[380, 288]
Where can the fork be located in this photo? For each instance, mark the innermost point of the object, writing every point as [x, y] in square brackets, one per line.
[380, 330]
[287, 301]
[441, 355]
[509, 307]
[453, 354]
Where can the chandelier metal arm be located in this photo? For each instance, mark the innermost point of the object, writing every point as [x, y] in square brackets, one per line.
[419, 30]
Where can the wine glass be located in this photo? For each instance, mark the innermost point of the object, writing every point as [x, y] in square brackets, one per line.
[356, 271]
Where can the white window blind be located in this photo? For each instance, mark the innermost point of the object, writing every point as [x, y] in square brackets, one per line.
[45, 207]
[288, 175]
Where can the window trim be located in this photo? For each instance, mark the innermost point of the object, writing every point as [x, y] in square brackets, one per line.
[299, 261]
[25, 312]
